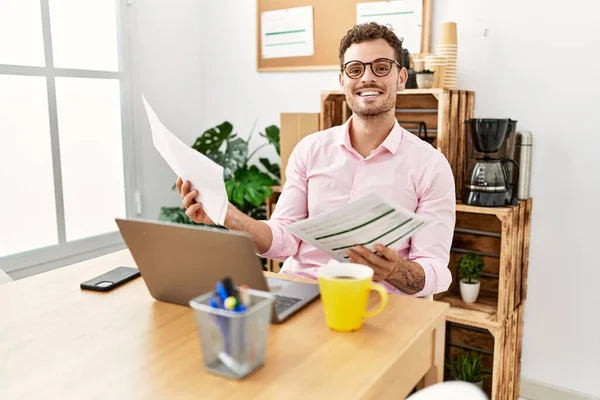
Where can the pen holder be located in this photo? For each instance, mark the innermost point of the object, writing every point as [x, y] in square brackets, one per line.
[234, 343]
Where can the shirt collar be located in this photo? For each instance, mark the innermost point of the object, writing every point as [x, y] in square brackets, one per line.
[391, 142]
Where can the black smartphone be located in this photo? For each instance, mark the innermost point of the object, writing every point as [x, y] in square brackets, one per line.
[111, 279]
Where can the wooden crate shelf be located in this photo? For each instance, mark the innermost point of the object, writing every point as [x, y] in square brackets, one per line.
[501, 236]
[443, 111]
[500, 348]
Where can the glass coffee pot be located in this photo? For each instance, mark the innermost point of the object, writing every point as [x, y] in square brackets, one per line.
[490, 181]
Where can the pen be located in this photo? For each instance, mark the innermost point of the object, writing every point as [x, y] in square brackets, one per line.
[223, 324]
[222, 292]
[228, 285]
[244, 295]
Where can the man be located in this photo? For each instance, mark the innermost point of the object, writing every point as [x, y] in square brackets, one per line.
[369, 153]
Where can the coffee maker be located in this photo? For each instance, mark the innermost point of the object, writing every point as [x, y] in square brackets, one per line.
[493, 174]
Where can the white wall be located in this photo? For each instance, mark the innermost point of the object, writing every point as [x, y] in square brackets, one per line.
[168, 68]
[526, 68]
[235, 91]
[529, 68]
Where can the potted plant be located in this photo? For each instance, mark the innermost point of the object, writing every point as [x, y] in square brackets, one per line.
[425, 79]
[247, 186]
[469, 268]
[467, 367]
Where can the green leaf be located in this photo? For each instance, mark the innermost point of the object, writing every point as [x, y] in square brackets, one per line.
[229, 187]
[238, 193]
[272, 135]
[211, 141]
[467, 367]
[470, 266]
[250, 186]
[235, 156]
[236, 149]
[273, 169]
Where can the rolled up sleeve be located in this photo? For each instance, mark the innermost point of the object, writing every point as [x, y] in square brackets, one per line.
[291, 205]
[430, 247]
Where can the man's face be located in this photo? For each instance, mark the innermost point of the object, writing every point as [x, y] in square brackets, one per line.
[371, 95]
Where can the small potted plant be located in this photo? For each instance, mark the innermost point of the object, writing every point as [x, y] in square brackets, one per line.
[467, 367]
[469, 268]
[425, 79]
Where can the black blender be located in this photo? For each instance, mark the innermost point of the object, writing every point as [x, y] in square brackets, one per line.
[490, 181]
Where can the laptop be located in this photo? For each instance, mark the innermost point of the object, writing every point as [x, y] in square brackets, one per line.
[179, 262]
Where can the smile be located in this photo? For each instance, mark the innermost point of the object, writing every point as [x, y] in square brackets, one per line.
[369, 93]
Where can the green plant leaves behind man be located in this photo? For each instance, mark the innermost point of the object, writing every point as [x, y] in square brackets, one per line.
[211, 140]
[273, 169]
[236, 150]
[272, 135]
[249, 186]
[467, 367]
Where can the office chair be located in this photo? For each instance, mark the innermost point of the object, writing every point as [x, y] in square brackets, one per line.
[451, 390]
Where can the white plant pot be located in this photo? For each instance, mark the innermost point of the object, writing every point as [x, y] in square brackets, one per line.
[469, 291]
[425, 81]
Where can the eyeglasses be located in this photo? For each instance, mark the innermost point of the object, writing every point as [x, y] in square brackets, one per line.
[380, 67]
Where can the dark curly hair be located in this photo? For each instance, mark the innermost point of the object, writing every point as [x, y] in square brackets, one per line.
[371, 31]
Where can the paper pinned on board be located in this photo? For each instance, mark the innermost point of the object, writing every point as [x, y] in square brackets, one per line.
[366, 221]
[404, 16]
[204, 174]
[287, 33]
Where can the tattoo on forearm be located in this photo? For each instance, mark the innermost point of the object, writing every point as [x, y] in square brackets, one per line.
[410, 277]
[414, 280]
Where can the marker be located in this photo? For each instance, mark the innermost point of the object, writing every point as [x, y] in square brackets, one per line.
[214, 303]
[230, 303]
[228, 285]
[222, 292]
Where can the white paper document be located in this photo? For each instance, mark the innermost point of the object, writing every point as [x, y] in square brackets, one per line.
[287, 32]
[404, 16]
[204, 174]
[367, 221]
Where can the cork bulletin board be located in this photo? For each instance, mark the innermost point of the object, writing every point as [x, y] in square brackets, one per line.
[331, 20]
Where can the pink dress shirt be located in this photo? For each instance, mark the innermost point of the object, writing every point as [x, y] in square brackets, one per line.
[324, 172]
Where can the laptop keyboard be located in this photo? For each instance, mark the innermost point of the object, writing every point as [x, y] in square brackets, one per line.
[282, 303]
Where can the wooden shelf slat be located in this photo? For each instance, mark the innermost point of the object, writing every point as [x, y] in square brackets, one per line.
[500, 212]
[481, 314]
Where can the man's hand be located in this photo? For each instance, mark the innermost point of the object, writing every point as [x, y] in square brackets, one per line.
[194, 210]
[387, 265]
[234, 219]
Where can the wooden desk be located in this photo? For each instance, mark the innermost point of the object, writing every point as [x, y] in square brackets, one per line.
[57, 341]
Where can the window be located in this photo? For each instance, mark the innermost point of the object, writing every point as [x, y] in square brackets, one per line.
[63, 125]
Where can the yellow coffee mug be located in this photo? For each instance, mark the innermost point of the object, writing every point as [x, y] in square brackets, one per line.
[345, 290]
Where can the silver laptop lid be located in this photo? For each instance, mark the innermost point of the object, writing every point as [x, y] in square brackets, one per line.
[179, 262]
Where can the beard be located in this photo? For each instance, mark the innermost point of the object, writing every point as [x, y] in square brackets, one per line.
[383, 105]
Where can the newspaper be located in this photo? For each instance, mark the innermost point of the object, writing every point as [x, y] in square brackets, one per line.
[366, 221]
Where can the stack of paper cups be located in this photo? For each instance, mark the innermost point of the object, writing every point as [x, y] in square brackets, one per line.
[418, 65]
[448, 48]
[437, 64]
